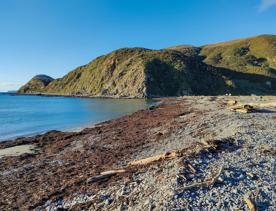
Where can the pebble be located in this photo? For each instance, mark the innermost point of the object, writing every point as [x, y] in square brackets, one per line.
[234, 183]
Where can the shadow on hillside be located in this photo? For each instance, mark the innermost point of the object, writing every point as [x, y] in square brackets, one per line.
[184, 75]
[245, 76]
[250, 83]
[265, 84]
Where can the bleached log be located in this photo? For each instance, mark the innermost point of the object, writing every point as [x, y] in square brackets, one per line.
[145, 161]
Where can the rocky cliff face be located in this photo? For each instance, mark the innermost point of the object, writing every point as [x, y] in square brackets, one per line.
[245, 66]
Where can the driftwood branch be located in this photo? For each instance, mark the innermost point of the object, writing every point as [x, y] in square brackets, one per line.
[191, 168]
[206, 183]
[263, 105]
[149, 160]
[255, 105]
[113, 172]
[249, 107]
[249, 203]
[105, 175]
[268, 149]
[194, 149]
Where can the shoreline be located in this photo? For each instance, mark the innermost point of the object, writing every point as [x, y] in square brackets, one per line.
[201, 131]
[157, 98]
[77, 96]
[78, 128]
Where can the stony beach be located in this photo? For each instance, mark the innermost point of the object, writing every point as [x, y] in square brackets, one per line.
[186, 153]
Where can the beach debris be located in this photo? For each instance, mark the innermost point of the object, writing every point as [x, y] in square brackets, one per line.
[191, 168]
[256, 105]
[249, 203]
[264, 105]
[181, 115]
[183, 177]
[149, 160]
[112, 172]
[251, 175]
[268, 149]
[192, 150]
[244, 109]
[249, 107]
[232, 102]
[105, 175]
[207, 183]
[98, 178]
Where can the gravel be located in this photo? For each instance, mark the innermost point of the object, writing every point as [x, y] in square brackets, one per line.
[248, 171]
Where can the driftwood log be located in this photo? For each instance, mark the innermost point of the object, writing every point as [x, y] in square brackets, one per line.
[207, 183]
[105, 175]
[250, 204]
[194, 149]
[149, 160]
[249, 107]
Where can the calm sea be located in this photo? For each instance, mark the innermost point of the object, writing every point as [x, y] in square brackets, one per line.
[28, 115]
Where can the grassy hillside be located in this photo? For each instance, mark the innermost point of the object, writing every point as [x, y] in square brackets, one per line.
[119, 73]
[36, 85]
[249, 63]
[242, 66]
[256, 55]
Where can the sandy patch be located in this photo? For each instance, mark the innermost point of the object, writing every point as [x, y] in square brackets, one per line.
[17, 150]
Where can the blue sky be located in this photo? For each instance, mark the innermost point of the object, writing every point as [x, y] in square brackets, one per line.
[55, 36]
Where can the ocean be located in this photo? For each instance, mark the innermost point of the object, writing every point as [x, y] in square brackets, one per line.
[22, 115]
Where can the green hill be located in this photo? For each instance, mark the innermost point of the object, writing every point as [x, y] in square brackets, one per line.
[245, 66]
[36, 85]
[250, 63]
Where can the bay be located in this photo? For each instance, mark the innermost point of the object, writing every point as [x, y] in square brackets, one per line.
[24, 115]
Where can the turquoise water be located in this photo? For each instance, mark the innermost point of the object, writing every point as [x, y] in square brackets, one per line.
[28, 115]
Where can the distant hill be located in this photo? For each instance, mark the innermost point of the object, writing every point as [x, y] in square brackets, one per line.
[241, 67]
[36, 85]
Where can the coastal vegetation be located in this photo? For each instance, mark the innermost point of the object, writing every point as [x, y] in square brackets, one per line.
[240, 67]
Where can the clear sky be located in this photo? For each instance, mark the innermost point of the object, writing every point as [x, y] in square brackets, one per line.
[54, 36]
